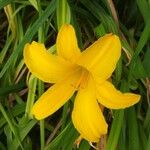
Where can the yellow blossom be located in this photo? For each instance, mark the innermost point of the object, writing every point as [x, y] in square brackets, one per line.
[86, 72]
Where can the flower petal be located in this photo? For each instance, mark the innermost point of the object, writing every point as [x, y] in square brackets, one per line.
[67, 45]
[110, 97]
[102, 56]
[43, 65]
[55, 97]
[87, 116]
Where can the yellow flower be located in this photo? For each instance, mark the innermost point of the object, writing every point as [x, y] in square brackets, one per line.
[86, 72]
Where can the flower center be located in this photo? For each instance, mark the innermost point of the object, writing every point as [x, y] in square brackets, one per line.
[83, 79]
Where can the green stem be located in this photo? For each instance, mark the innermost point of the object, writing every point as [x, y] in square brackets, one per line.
[40, 83]
[31, 96]
[42, 134]
[64, 116]
[42, 124]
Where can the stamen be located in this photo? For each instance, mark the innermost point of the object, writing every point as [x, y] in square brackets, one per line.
[93, 146]
[80, 79]
[81, 83]
[78, 140]
[84, 81]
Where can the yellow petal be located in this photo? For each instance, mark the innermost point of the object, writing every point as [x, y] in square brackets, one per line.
[55, 97]
[110, 97]
[67, 45]
[102, 56]
[87, 116]
[44, 65]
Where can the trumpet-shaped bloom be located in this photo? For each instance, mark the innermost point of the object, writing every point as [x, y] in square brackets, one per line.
[86, 72]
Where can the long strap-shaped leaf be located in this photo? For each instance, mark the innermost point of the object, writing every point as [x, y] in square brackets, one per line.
[4, 3]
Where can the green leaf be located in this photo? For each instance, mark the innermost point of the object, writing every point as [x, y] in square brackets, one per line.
[143, 137]
[143, 39]
[146, 62]
[138, 70]
[29, 35]
[115, 130]
[63, 13]
[84, 145]
[11, 125]
[34, 3]
[148, 143]
[23, 133]
[100, 31]
[3, 3]
[144, 7]
[11, 89]
[132, 125]
[61, 141]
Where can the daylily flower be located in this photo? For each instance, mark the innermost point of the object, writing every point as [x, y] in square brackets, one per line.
[85, 72]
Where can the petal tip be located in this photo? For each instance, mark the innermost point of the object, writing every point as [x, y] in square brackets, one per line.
[65, 29]
[67, 26]
[137, 98]
[114, 37]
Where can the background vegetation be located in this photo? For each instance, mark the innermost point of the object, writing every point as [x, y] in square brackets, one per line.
[23, 21]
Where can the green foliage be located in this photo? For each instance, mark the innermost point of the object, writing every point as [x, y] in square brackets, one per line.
[23, 21]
